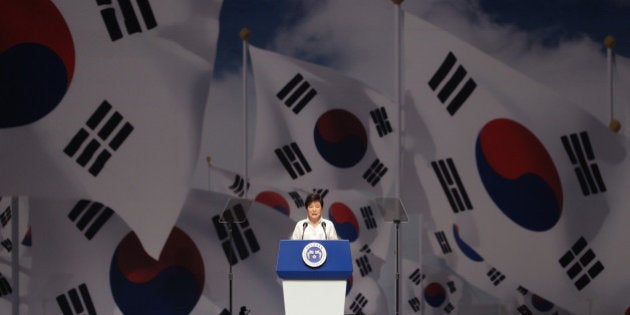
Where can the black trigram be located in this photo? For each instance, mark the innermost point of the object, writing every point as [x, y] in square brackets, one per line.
[368, 217]
[364, 265]
[379, 116]
[322, 192]
[242, 235]
[522, 290]
[524, 310]
[76, 301]
[375, 172]
[443, 242]
[297, 93]
[580, 152]
[415, 304]
[7, 244]
[358, 304]
[365, 249]
[495, 276]
[293, 160]
[238, 186]
[5, 216]
[90, 217]
[5, 287]
[416, 276]
[452, 185]
[581, 264]
[451, 286]
[112, 126]
[129, 16]
[448, 81]
[449, 308]
[297, 199]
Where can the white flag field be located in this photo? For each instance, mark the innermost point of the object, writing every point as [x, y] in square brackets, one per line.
[110, 108]
[522, 172]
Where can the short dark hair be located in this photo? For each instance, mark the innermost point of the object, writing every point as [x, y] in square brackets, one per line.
[312, 197]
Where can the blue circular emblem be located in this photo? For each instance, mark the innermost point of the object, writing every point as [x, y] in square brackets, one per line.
[314, 254]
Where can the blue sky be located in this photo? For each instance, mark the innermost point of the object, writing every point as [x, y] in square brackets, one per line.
[556, 42]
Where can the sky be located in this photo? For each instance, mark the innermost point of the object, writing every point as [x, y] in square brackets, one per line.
[556, 42]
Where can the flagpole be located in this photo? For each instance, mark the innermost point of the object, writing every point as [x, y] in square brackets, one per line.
[209, 162]
[15, 254]
[398, 94]
[245, 34]
[610, 42]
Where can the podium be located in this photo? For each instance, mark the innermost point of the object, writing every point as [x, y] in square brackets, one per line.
[314, 275]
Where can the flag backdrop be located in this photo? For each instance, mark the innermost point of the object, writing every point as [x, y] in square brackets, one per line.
[315, 127]
[99, 102]
[527, 171]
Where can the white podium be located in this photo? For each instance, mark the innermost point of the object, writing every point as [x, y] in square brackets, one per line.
[314, 276]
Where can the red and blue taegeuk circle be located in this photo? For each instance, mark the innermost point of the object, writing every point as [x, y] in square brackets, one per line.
[519, 174]
[274, 200]
[37, 60]
[171, 285]
[340, 138]
[434, 294]
[345, 221]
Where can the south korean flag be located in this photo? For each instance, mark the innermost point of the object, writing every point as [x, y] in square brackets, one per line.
[315, 127]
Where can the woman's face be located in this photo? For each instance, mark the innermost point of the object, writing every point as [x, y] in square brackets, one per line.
[314, 210]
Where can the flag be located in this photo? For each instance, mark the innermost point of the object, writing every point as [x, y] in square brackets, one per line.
[467, 263]
[74, 242]
[315, 127]
[100, 102]
[430, 290]
[530, 303]
[251, 250]
[526, 167]
[365, 296]
[83, 248]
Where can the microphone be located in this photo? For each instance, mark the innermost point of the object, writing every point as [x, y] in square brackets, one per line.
[303, 229]
[324, 227]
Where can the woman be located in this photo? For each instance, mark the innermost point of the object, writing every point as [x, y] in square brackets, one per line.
[314, 227]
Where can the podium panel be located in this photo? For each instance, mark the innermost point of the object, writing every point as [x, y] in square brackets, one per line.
[314, 275]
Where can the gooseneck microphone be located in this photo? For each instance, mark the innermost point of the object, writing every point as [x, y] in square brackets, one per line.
[324, 227]
[304, 229]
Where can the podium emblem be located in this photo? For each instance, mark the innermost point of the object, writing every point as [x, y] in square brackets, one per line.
[314, 254]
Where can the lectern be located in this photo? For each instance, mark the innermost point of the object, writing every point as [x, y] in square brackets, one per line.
[314, 275]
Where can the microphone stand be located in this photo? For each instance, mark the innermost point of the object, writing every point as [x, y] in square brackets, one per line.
[230, 274]
[393, 211]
